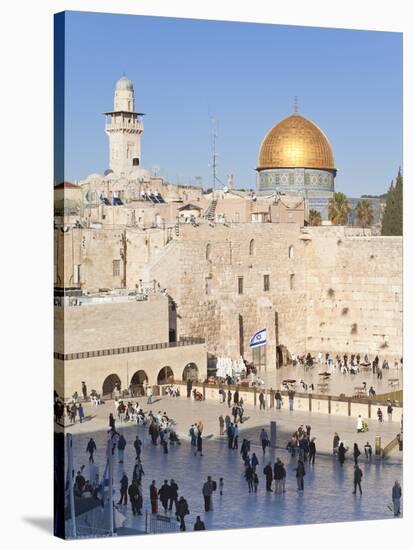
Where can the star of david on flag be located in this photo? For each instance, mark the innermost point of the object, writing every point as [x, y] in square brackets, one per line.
[259, 339]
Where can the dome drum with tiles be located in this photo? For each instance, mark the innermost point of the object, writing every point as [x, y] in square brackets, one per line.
[296, 157]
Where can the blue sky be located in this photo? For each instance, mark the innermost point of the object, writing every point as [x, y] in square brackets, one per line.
[246, 75]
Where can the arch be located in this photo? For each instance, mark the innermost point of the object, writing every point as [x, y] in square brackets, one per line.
[165, 376]
[137, 381]
[190, 372]
[291, 252]
[252, 247]
[208, 251]
[110, 383]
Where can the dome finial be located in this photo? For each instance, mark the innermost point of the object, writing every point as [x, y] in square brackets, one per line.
[295, 104]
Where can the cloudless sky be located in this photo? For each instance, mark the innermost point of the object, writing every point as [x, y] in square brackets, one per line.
[246, 75]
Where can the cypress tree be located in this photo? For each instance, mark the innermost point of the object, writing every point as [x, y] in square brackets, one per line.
[392, 223]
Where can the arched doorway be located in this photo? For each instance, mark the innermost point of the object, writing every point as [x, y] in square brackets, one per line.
[165, 376]
[137, 382]
[190, 373]
[111, 383]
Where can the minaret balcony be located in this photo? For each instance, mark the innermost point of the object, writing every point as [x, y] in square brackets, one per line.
[133, 127]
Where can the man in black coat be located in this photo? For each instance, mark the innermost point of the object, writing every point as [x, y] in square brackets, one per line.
[91, 448]
[133, 492]
[182, 511]
[138, 447]
[173, 494]
[188, 387]
[268, 477]
[164, 494]
[124, 482]
[312, 451]
[358, 474]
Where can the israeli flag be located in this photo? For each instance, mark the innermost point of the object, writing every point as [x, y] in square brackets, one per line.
[259, 339]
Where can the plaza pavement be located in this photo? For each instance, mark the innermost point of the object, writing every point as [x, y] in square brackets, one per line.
[186, 412]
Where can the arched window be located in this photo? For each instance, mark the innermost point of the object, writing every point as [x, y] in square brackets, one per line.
[208, 251]
[252, 247]
[291, 252]
[292, 281]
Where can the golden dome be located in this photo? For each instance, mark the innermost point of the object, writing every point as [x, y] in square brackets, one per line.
[296, 142]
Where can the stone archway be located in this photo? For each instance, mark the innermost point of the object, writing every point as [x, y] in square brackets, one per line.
[111, 383]
[137, 383]
[165, 376]
[190, 372]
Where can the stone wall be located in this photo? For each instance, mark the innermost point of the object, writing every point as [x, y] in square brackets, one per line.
[354, 295]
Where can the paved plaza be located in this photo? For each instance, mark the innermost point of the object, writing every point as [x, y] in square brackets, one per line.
[328, 488]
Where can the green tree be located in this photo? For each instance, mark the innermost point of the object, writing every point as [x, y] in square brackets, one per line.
[392, 223]
[338, 209]
[314, 217]
[364, 213]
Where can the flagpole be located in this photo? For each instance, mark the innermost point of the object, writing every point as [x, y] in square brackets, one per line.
[111, 511]
[71, 491]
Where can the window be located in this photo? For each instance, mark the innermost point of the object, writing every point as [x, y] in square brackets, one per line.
[292, 281]
[236, 217]
[266, 283]
[76, 274]
[240, 285]
[252, 247]
[116, 268]
[208, 251]
[291, 252]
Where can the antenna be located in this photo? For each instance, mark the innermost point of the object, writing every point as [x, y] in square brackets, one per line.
[295, 104]
[214, 135]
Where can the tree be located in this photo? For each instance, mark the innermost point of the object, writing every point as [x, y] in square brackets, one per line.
[314, 217]
[392, 223]
[338, 209]
[364, 213]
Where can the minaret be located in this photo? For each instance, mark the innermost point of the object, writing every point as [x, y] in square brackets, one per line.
[124, 127]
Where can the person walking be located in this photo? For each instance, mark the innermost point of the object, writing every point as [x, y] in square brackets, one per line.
[229, 398]
[221, 424]
[221, 486]
[199, 525]
[341, 454]
[356, 453]
[311, 451]
[264, 440]
[291, 399]
[133, 492]
[236, 436]
[267, 471]
[336, 441]
[284, 476]
[389, 411]
[199, 444]
[111, 421]
[81, 412]
[188, 387]
[164, 495]
[278, 399]
[380, 414]
[261, 399]
[91, 448]
[207, 491]
[153, 495]
[138, 471]
[124, 483]
[300, 473]
[255, 481]
[182, 511]
[121, 448]
[173, 494]
[149, 395]
[138, 447]
[249, 476]
[359, 424]
[396, 495]
[254, 462]
[358, 474]
[368, 451]
[278, 473]
[230, 435]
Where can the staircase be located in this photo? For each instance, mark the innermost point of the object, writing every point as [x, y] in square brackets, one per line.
[210, 212]
[390, 447]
